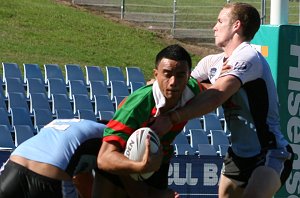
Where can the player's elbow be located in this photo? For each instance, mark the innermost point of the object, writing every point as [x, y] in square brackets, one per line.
[101, 162]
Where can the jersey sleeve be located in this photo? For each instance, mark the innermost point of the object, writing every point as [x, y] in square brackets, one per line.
[133, 114]
[200, 72]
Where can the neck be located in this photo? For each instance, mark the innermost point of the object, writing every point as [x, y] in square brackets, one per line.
[232, 45]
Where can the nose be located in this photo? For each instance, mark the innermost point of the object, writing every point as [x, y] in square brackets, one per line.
[215, 28]
[172, 81]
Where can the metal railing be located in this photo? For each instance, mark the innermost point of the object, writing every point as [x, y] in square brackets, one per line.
[181, 18]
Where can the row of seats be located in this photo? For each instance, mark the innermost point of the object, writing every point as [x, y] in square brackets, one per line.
[32, 97]
[30, 101]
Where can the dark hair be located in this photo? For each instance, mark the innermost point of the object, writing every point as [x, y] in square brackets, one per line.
[247, 15]
[174, 52]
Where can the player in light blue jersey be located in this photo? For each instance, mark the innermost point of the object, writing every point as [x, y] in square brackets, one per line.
[61, 150]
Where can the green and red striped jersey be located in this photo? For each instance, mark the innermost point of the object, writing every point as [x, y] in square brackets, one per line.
[138, 111]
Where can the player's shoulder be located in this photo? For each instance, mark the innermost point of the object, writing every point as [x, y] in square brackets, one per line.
[140, 97]
[211, 59]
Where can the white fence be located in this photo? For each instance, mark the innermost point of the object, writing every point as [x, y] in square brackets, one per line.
[181, 18]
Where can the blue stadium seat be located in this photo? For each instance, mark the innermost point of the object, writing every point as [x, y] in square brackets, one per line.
[218, 137]
[17, 100]
[4, 118]
[194, 123]
[56, 86]
[206, 150]
[134, 74]
[41, 118]
[35, 85]
[53, 71]
[98, 88]
[198, 136]
[14, 85]
[94, 73]
[81, 102]
[114, 73]
[77, 87]
[64, 114]
[74, 72]
[6, 141]
[59, 102]
[11, 70]
[135, 85]
[3, 100]
[87, 114]
[181, 138]
[118, 88]
[2, 94]
[183, 149]
[32, 71]
[106, 115]
[39, 101]
[21, 116]
[22, 133]
[211, 122]
[103, 103]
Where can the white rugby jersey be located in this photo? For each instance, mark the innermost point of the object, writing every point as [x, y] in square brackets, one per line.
[252, 114]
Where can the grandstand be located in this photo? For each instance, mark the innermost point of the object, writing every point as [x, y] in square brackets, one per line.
[30, 101]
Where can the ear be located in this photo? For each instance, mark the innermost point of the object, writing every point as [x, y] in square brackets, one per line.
[155, 73]
[237, 25]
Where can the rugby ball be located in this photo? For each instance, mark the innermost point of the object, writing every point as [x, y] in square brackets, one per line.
[136, 145]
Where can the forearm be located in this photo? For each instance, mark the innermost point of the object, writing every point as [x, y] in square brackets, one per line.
[110, 159]
[208, 100]
[202, 104]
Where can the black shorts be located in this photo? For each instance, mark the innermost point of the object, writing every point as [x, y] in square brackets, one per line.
[240, 169]
[158, 180]
[18, 181]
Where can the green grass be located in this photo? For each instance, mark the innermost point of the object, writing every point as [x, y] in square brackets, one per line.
[44, 31]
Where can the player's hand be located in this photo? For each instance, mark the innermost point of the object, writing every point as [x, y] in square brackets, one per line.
[226, 68]
[151, 161]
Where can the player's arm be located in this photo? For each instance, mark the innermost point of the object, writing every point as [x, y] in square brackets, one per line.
[203, 103]
[112, 159]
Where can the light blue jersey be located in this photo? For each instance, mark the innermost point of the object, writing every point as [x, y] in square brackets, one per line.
[63, 142]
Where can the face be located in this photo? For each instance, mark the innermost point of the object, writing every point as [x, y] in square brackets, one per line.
[172, 77]
[223, 29]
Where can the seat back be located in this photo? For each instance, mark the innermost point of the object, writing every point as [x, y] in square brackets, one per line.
[118, 88]
[60, 101]
[56, 86]
[39, 101]
[134, 74]
[94, 73]
[218, 137]
[32, 71]
[22, 133]
[11, 70]
[77, 87]
[98, 88]
[211, 122]
[6, 141]
[14, 85]
[74, 72]
[35, 85]
[53, 71]
[114, 73]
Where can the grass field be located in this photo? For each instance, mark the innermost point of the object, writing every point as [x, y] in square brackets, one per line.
[45, 31]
